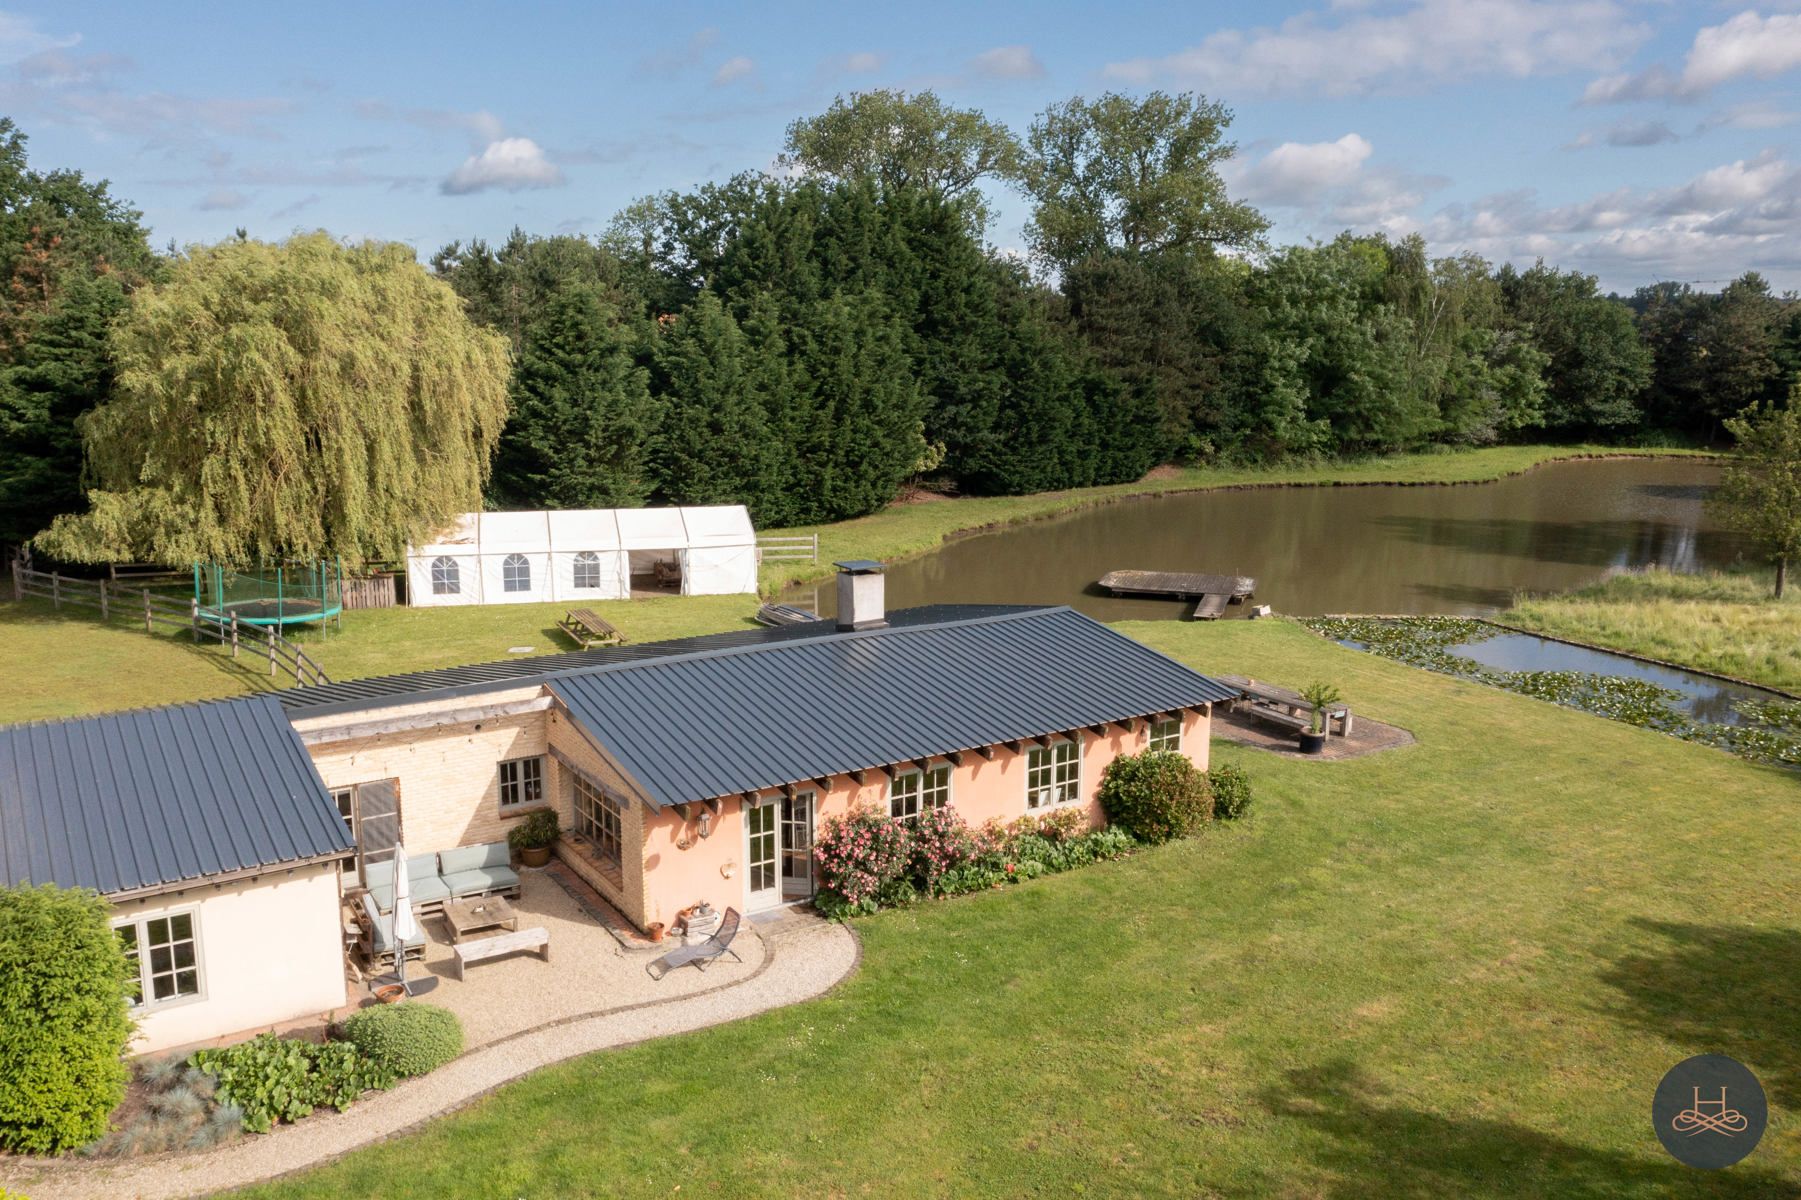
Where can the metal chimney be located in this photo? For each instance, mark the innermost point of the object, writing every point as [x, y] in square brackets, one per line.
[861, 604]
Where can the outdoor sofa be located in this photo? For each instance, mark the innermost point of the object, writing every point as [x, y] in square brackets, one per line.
[449, 875]
[377, 930]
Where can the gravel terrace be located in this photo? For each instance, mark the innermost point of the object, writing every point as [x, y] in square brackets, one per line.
[588, 998]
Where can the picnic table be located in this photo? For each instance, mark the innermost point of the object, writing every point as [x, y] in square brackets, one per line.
[1280, 706]
[589, 629]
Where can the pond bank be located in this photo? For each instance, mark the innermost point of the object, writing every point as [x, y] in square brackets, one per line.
[908, 530]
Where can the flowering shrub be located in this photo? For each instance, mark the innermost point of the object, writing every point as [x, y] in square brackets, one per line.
[868, 862]
[860, 856]
[1155, 795]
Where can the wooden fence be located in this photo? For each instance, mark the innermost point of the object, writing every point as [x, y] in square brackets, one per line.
[801, 548]
[371, 591]
[135, 604]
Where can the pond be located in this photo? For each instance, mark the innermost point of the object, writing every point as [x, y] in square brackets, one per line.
[1462, 549]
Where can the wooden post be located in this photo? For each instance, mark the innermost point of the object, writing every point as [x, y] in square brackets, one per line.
[18, 580]
[105, 613]
[272, 652]
[194, 617]
[234, 635]
[147, 628]
[56, 589]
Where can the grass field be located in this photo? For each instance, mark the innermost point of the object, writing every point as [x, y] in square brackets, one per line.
[1454, 969]
[909, 529]
[1727, 623]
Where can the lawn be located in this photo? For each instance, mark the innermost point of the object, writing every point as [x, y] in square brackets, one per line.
[1721, 622]
[1454, 969]
[78, 665]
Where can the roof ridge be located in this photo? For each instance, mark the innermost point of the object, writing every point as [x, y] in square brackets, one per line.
[840, 635]
[267, 696]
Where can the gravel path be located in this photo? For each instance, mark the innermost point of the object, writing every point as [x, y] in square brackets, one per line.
[802, 958]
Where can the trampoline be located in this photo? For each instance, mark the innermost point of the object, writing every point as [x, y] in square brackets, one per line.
[280, 595]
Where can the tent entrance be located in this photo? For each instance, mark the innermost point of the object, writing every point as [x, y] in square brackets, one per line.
[656, 572]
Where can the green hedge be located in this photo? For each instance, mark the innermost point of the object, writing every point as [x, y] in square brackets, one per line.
[1231, 791]
[1155, 796]
[407, 1039]
[64, 987]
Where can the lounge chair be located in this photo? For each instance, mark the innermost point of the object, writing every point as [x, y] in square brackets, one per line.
[378, 935]
[701, 953]
[478, 871]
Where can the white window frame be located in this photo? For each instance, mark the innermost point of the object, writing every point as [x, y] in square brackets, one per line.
[527, 792]
[920, 788]
[607, 808]
[586, 564]
[1074, 783]
[146, 999]
[446, 576]
[515, 574]
[1169, 739]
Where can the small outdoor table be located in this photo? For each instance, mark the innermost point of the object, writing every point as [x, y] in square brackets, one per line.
[477, 914]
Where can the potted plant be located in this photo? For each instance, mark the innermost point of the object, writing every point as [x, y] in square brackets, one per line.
[532, 837]
[1318, 694]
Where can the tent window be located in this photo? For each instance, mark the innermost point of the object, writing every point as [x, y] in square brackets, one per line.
[446, 580]
[516, 573]
[587, 569]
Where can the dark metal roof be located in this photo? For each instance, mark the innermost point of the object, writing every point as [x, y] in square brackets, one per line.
[356, 695]
[153, 797]
[722, 721]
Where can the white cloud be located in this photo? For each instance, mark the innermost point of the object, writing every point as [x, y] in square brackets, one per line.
[1737, 216]
[1358, 51]
[20, 38]
[738, 67]
[1007, 62]
[222, 200]
[1300, 173]
[673, 62]
[1626, 134]
[510, 164]
[1749, 45]
[481, 127]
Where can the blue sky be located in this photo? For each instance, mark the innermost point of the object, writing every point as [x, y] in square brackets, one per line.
[1633, 140]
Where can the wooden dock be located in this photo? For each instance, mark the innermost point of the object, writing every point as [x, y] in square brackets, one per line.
[785, 614]
[1210, 593]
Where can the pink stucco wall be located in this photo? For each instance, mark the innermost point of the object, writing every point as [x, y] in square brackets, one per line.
[713, 868]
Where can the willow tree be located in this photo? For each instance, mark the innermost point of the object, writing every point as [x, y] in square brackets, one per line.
[288, 401]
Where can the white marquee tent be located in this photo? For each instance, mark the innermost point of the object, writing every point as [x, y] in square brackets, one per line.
[584, 554]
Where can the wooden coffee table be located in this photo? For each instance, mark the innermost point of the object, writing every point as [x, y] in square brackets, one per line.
[477, 914]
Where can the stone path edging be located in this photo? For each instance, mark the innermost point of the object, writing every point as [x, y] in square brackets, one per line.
[815, 958]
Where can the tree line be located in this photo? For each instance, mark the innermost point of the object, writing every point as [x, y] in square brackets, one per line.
[808, 342]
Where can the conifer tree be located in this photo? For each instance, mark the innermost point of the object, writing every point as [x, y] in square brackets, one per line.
[581, 425]
[713, 445]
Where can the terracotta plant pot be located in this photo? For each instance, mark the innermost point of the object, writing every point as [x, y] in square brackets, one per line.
[535, 856]
[656, 930]
[389, 993]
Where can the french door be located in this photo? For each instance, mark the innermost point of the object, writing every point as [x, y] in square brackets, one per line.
[372, 811]
[778, 851]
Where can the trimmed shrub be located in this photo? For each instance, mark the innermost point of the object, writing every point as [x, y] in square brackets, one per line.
[271, 1079]
[1231, 791]
[407, 1039]
[64, 987]
[1156, 795]
[941, 841]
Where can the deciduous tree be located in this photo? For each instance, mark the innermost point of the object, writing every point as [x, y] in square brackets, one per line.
[292, 400]
[1760, 491]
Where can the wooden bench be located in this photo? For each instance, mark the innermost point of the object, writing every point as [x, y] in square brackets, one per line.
[1276, 716]
[536, 938]
[589, 629]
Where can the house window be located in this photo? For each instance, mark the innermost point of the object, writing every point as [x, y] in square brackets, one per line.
[515, 573]
[1166, 734]
[346, 801]
[522, 781]
[597, 818]
[913, 792]
[166, 956]
[587, 569]
[1051, 774]
[446, 579]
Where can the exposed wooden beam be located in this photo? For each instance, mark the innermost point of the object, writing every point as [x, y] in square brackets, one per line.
[955, 757]
[423, 722]
[823, 782]
[862, 777]
[986, 752]
[924, 764]
[1016, 746]
[1098, 730]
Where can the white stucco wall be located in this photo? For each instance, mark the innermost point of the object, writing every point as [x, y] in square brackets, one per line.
[271, 950]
